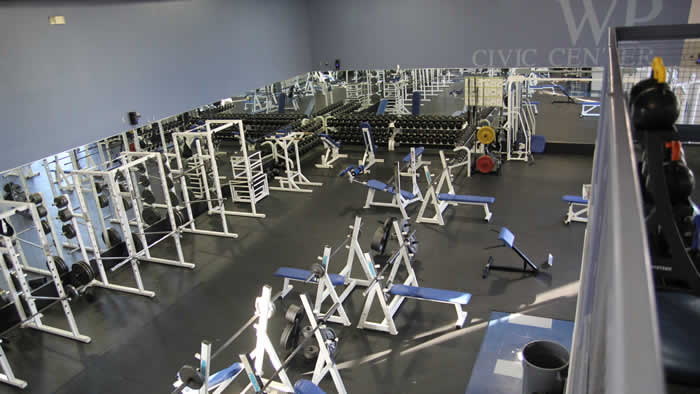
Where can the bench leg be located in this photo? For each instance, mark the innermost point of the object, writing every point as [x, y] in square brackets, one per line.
[487, 212]
[370, 198]
[461, 316]
[286, 288]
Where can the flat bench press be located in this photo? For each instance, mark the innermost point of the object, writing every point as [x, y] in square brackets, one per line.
[326, 286]
[332, 152]
[455, 298]
[578, 206]
[440, 201]
[400, 199]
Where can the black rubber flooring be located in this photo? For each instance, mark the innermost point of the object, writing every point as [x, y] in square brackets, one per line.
[139, 344]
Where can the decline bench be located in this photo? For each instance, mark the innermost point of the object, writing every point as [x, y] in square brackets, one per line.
[332, 152]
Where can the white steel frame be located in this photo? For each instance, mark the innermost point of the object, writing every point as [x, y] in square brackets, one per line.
[293, 179]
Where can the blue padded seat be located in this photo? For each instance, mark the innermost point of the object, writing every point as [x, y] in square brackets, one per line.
[419, 151]
[377, 185]
[465, 198]
[426, 293]
[574, 199]
[225, 374]
[329, 139]
[507, 237]
[299, 274]
[404, 193]
[307, 387]
[381, 186]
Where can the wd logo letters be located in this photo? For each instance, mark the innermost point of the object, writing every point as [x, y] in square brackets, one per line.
[587, 23]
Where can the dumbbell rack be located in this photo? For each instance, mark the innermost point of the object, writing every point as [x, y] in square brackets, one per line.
[675, 269]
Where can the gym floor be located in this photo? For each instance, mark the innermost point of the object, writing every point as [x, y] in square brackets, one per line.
[138, 344]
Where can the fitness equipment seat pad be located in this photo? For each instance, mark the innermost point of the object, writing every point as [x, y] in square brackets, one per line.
[426, 293]
[307, 387]
[329, 139]
[419, 151]
[302, 275]
[466, 198]
[574, 199]
[507, 237]
[381, 186]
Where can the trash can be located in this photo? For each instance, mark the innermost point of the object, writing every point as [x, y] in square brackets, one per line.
[545, 367]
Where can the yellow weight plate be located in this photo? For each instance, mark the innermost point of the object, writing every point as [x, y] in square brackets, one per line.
[486, 135]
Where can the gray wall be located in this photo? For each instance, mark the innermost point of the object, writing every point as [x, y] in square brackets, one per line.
[64, 86]
[478, 33]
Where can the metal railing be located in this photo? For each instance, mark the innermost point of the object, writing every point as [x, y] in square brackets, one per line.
[616, 346]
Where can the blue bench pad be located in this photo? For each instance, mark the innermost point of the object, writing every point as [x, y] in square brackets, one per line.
[299, 274]
[225, 374]
[466, 198]
[329, 139]
[574, 199]
[426, 293]
[307, 387]
[419, 151]
[381, 186]
[507, 237]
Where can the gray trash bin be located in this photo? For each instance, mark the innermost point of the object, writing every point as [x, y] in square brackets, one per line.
[545, 367]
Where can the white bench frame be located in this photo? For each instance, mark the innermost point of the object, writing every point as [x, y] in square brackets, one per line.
[324, 290]
[331, 155]
[431, 197]
[397, 200]
[579, 212]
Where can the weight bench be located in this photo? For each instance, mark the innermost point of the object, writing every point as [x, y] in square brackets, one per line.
[369, 158]
[578, 206]
[400, 200]
[589, 108]
[440, 201]
[332, 152]
[455, 298]
[508, 239]
[326, 287]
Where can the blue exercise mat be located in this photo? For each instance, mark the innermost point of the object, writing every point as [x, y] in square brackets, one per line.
[498, 365]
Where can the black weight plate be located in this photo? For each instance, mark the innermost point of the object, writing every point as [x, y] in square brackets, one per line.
[41, 211]
[173, 199]
[150, 216]
[35, 198]
[288, 339]
[191, 377]
[317, 269]
[103, 200]
[99, 187]
[307, 331]
[113, 237]
[293, 313]
[60, 265]
[310, 352]
[65, 215]
[71, 292]
[169, 181]
[45, 227]
[68, 231]
[127, 204]
[60, 201]
[379, 240]
[148, 196]
[81, 273]
[179, 218]
[143, 180]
